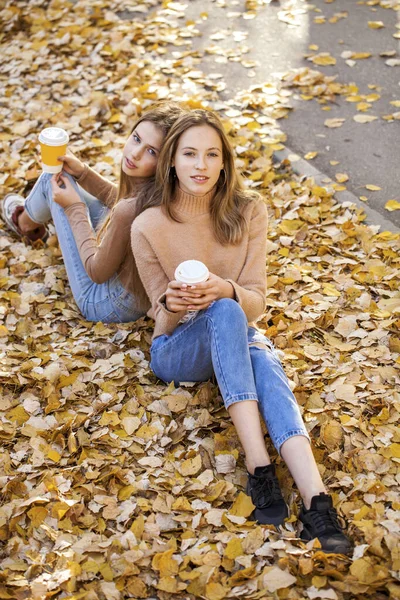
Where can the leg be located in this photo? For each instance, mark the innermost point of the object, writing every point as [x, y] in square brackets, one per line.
[97, 210]
[297, 454]
[217, 338]
[37, 208]
[246, 419]
[286, 428]
[95, 301]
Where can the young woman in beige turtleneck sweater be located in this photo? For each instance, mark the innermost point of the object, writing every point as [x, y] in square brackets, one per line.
[202, 330]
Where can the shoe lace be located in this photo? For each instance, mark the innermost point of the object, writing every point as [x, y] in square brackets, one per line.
[265, 491]
[326, 521]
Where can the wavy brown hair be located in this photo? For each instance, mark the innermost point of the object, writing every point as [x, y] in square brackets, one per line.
[227, 205]
[163, 116]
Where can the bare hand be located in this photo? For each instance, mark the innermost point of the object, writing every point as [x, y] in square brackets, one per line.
[180, 296]
[72, 164]
[64, 196]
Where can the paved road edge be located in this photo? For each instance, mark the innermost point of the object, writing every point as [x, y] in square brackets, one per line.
[303, 167]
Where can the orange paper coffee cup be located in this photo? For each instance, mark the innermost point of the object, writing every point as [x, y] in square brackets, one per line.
[53, 143]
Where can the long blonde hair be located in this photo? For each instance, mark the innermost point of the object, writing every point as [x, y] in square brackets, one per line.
[163, 116]
[226, 208]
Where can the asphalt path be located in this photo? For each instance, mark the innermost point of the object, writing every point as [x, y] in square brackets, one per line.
[277, 41]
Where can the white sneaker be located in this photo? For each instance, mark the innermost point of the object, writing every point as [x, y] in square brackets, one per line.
[12, 206]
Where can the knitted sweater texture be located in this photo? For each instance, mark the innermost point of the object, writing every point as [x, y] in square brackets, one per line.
[113, 253]
[161, 244]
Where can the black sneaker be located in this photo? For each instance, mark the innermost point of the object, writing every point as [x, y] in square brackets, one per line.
[322, 521]
[266, 495]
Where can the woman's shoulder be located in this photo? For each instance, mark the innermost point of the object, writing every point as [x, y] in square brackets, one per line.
[150, 218]
[254, 204]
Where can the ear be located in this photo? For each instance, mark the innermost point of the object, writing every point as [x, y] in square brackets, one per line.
[173, 162]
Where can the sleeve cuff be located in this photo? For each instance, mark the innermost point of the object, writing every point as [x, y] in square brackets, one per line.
[83, 174]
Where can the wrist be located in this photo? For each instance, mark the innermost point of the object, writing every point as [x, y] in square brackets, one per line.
[228, 290]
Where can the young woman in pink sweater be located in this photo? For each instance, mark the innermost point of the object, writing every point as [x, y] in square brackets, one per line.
[201, 211]
[93, 218]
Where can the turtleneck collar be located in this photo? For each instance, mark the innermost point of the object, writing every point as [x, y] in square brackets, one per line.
[192, 205]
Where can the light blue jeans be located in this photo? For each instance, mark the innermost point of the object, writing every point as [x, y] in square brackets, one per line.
[108, 302]
[219, 341]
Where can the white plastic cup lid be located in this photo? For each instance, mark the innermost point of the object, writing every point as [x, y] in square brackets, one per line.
[191, 271]
[53, 136]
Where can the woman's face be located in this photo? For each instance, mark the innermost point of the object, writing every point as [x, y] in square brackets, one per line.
[141, 151]
[198, 160]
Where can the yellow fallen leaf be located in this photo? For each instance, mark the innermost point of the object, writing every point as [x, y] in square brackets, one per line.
[191, 466]
[310, 155]
[375, 24]
[234, 548]
[330, 290]
[216, 591]
[364, 118]
[392, 205]
[360, 55]
[242, 507]
[53, 455]
[341, 177]
[372, 188]
[363, 106]
[164, 563]
[332, 123]
[363, 198]
[323, 59]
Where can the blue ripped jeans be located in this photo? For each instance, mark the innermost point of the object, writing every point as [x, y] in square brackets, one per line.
[108, 302]
[219, 341]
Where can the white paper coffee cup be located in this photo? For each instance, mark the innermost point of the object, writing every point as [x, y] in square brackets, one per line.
[53, 143]
[191, 272]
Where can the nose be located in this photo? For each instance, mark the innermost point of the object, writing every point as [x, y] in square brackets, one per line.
[200, 164]
[137, 152]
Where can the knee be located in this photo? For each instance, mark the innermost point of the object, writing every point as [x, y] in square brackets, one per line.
[228, 310]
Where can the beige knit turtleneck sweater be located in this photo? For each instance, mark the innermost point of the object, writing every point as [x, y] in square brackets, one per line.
[160, 244]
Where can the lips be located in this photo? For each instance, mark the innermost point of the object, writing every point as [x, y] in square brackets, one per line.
[130, 164]
[199, 178]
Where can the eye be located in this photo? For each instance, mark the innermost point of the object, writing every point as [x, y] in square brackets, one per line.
[213, 154]
[135, 137]
[152, 152]
[188, 153]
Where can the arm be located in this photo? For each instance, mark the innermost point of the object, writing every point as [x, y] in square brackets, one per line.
[155, 281]
[101, 261]
[98, 186]
[251, 285]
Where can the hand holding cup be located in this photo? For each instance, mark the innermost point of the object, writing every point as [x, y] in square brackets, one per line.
[71, 164]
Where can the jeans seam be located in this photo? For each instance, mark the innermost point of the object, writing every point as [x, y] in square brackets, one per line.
[215, 345]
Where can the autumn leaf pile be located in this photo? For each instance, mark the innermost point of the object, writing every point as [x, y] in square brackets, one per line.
[113, 485]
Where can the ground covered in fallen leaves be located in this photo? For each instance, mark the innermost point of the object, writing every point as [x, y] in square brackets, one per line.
[114, 486]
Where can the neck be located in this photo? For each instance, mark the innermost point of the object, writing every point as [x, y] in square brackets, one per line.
[193, 205]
